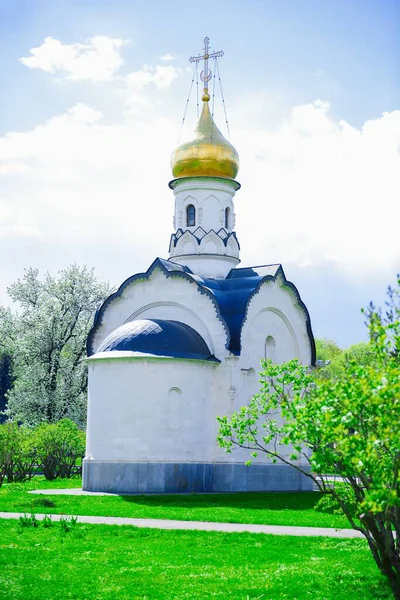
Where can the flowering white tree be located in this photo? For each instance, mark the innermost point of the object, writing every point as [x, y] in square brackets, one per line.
[46, 337]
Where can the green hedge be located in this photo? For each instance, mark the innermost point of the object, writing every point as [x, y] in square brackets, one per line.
[55, 449]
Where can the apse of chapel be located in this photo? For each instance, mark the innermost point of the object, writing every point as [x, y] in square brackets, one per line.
[175, 311]
[185, 438]
[162, 295]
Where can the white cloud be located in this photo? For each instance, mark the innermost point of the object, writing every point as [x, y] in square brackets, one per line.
[83, 113]
[98, 59]
[167, 57]
[160, 76]
[319, 190]
[140, 88]
[82, 181]
[15, 223]
[315, 191]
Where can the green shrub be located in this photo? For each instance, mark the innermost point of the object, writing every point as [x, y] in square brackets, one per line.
[57, 449]
[17, 453]
[59, 446]
[344, 496]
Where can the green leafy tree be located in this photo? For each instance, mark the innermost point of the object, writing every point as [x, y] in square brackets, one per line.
[327, 349]
[348, 425]
[332, 360]
[361, 353]
[46, 338]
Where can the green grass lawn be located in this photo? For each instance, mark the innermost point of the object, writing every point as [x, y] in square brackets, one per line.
[295, 508]
[99, 562]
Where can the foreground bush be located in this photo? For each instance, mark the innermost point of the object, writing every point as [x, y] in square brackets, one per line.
[17, 453]
[59, 447]
[55, 449]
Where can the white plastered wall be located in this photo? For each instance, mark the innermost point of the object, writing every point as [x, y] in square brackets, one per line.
[214, 266]
[150, 410]
[210, 198]
[274, 316]
[207, 390]
[274, 312]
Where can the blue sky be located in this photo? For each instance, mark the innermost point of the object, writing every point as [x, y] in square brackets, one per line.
[346, 50]
[306, 84]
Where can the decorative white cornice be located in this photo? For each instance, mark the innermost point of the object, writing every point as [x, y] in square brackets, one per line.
[205, 183]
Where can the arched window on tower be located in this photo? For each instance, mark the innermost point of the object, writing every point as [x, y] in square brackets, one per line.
[190, 216]
[227, 218]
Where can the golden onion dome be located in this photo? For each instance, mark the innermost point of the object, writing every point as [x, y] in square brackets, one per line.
[209, 154]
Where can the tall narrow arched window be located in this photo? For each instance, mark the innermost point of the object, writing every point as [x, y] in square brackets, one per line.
[270, 348]
[174, 408]
[190, 216]
[227, 218]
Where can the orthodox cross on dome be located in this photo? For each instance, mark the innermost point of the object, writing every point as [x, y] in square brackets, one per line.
[206, 74]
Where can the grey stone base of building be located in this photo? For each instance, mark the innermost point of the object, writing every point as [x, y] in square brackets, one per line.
[168, 478]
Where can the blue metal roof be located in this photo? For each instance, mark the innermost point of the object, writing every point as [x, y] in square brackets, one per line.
[231, 297]
[159, 337]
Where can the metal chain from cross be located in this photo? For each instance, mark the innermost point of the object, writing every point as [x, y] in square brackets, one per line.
[206, 74]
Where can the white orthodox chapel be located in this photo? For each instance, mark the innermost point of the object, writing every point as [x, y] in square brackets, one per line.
[180, 344]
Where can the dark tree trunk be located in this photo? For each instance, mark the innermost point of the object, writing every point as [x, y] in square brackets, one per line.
[383, 545]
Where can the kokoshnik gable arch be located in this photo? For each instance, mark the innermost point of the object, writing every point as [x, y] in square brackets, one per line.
[180, 344]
